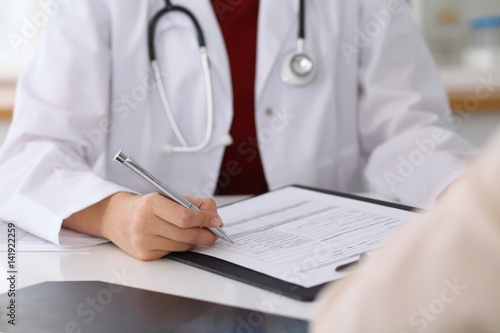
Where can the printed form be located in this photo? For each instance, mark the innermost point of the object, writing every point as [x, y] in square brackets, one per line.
[301, 236]
[26, 242]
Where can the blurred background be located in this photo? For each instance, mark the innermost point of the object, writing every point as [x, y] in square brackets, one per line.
[463, 35]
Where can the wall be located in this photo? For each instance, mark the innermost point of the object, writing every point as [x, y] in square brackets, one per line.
[479, 127]
[447, 38]
[476, 127]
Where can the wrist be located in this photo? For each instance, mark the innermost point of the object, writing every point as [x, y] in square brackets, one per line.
[114, 210]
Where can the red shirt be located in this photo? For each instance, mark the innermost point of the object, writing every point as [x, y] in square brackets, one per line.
[241, 171]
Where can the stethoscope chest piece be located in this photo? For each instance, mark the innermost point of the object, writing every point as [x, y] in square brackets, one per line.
[298, 68]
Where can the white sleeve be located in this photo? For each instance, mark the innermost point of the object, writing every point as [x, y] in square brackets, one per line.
[50, 162]
[405, 121]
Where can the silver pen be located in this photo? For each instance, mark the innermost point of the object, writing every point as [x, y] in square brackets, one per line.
[131, 165]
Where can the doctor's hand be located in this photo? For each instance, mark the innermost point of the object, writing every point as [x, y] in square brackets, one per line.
[148, 226]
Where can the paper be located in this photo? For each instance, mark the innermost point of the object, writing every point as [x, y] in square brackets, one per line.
[301, 236]
[29, 242]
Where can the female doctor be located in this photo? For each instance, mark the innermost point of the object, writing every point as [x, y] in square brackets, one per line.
[311, 92]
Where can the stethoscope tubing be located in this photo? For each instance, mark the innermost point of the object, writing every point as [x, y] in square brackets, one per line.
[185, 147]
[288, 75]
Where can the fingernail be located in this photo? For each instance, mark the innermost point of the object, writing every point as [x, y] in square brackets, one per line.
[215, 222]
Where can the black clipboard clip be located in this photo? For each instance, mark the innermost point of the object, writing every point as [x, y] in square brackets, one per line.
[343, 267]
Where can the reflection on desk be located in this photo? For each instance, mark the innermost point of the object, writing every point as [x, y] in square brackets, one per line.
[108, 263]
[103, 307]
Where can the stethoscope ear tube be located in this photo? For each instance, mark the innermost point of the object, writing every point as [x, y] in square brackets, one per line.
[154, 22]
[185, 147]
[298, 68]
[302, 14]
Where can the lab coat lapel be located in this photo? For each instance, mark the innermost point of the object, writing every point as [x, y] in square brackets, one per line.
[276, 19]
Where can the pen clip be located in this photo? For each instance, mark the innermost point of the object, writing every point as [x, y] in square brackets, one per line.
[125, 159]
[135, 164]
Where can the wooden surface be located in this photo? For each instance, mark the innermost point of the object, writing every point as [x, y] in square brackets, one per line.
[460, 102]
[470, 102]
[7, 95]
[5, 115]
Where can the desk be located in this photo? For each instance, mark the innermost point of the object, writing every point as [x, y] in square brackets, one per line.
[108, 263]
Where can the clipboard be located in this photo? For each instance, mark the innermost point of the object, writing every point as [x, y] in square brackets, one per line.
[260, 280]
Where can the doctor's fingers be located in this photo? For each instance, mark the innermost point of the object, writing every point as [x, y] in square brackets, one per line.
[183, 217]
[205, 204]
[154, 238]
[155, 247]
[172, 238]
[168, 236]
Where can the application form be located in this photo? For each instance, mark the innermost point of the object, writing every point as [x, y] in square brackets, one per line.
[26, 242]
[301, 236]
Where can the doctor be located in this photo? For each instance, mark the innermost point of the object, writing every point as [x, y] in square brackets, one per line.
[311, 92]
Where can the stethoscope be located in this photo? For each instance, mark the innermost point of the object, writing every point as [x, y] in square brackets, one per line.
[298, 68]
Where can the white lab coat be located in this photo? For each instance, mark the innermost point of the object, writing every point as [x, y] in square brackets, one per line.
[377, 107]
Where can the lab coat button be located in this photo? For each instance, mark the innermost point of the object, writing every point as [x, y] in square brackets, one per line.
[269, 111]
